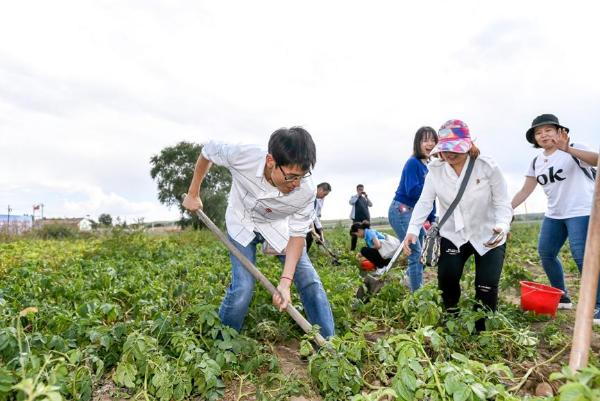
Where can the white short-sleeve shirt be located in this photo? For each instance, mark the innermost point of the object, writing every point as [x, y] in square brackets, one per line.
[568, 189]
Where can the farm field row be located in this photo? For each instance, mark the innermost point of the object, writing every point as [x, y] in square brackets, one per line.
[134, 316]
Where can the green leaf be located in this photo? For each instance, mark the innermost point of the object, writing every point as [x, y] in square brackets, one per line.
[74, 356]
[452, 385]
[409, 380]
[479, 391]
[403, 393]
[460, 357]
[462, 394]
[125, 374]
[575, 392]
[54, 396]
[416, 367]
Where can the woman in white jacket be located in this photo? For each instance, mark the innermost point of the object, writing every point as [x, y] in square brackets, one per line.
[483, 211]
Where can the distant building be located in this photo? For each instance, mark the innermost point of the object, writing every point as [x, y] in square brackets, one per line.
[85, 225]
[79, 223]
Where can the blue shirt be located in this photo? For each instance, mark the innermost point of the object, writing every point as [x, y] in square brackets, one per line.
[411, 184]
[370, 234]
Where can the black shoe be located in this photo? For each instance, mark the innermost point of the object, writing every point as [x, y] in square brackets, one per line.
[565, 302]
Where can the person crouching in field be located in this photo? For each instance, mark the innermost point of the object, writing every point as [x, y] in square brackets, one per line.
[380, 247]
[483, 211]
[565, 173]
[270, 203]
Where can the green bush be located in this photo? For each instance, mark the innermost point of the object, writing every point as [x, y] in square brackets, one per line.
[56, 231]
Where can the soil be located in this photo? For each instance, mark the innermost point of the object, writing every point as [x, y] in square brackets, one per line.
[291, 365]
[106, 390]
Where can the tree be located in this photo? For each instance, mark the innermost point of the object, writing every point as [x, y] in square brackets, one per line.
[105, 219]
[173, 170]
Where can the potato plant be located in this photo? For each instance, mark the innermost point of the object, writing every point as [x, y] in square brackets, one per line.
[140, 313]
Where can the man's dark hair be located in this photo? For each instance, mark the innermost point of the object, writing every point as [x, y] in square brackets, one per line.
[422, 134]
[359, 185]
[325, 186]
[293, 147]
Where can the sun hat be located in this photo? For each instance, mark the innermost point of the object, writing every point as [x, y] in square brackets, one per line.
[542, 119]
[453, 136]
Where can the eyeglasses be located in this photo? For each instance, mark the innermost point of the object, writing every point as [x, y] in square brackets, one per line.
[293, 177]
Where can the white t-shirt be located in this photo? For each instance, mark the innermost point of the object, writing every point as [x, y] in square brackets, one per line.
[568, 189]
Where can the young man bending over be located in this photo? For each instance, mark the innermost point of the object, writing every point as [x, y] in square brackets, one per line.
[272, 203]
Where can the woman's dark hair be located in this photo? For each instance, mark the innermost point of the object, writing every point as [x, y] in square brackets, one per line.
[293, 147]
[474, 151]
[356, 226]
[421, 135]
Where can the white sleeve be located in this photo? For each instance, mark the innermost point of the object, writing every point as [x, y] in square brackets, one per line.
[229, 155]
[353, 199]
[299, 222]
[217, 152]
[500, 200]
[423, 207]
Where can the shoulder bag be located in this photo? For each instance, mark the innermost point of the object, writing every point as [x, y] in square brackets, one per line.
[431, 244]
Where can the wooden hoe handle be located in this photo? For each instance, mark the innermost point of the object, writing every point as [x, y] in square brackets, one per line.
[293, 312]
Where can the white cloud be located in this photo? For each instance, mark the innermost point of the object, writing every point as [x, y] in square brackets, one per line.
[62, 198]
[90, 90]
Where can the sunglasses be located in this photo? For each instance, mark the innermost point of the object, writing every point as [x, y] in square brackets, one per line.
[293, 177]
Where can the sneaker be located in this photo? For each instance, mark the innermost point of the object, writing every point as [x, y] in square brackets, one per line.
[597, 317]
[565, 303]
[381, 271]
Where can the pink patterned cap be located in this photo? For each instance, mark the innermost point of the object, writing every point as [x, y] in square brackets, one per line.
[453, 137]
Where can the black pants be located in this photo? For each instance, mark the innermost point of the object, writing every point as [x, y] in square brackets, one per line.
[309, 238]
[353, 241]
[374, 256]
[487, 274]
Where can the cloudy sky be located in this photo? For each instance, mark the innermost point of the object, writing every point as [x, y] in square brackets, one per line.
[90, 90]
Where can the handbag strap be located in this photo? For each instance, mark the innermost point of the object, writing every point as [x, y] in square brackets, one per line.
[459, 195]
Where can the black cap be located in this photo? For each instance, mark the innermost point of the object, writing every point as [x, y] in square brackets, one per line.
[543, 119]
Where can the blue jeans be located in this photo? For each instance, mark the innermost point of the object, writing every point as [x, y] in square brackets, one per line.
[553, 235]
[399, 221]
[237, 299]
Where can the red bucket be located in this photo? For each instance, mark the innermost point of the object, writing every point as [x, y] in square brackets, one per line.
[367, 265]
[540, 298]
